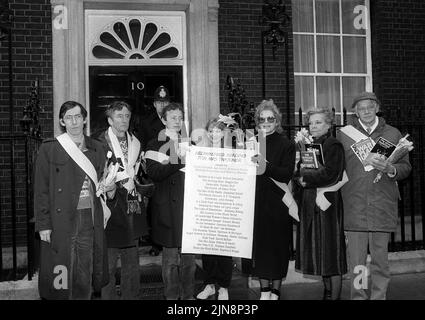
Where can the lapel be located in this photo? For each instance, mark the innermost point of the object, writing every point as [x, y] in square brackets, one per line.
[91, 152]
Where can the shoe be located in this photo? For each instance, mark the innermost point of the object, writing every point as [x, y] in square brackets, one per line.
[265, 293]
[275, 294]
[223, 294]
[208, 291]
[327, 295]
[154, 252]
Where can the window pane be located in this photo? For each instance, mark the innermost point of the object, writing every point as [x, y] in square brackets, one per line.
[327, 16]
[302, 15]
[304, 93]
[328, 54]
[354, 54]
[354, 17]
[351, 87]
[303, 53]
[328, 93]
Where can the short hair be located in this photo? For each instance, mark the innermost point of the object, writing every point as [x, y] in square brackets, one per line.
[172, 106]
[68, 105]
[215, 124]
[269, 105]
[116, 106]
[328, 113]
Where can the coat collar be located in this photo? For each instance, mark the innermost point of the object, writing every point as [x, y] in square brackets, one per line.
[379, 128]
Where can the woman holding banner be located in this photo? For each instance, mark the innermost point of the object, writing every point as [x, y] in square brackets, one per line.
[320, 236]
[218, 269]
[276, 161]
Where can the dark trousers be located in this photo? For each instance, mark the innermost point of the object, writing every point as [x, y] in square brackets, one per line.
[178, 274]
[130, 274]
[82, 256]
[218, 270]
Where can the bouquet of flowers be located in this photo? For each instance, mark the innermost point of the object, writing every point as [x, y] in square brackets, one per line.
[109, 175]
[302, 138]
[402, 148]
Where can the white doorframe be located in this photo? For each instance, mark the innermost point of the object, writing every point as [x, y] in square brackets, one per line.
[69, 59]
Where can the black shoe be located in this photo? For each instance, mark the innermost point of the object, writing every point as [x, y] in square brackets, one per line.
[154, 252]
[327, 295]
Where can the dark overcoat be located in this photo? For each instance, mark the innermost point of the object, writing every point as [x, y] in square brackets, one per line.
[320, 234]
[58, 182]
[271, 223]
[151, 126]
[167, 201]
[122, 229]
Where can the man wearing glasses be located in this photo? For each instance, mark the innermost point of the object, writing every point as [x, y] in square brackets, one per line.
[370, 209]
[69, 213]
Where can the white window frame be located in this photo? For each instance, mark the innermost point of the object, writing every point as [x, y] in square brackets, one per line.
[315, 74]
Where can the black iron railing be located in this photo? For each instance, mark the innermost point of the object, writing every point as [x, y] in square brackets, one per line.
[16, 210]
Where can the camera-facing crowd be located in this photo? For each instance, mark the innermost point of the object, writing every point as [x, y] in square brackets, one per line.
[96, 197]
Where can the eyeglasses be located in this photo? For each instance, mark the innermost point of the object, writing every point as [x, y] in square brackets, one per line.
[76, 117]
[268, 119]
[364, 109]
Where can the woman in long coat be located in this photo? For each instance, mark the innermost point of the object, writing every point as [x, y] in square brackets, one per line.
[320, 236]
[271, 224]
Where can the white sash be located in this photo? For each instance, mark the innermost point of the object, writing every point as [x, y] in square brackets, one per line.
[133, 154]
[288, 199]
[321, 200]
[157, 156]
[85, 164]
[357, 136]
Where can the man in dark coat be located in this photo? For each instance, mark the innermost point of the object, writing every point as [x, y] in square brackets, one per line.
[370, 209]
[68, 214]
[151, 126]
[164, 161]
[126, 224]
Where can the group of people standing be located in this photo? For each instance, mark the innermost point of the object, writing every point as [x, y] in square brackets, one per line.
[90, 212]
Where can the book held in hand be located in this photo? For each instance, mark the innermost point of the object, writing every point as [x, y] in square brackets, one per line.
[383, 147]
[312, 157]
[362, 149]
[318, 151]
[309, 160]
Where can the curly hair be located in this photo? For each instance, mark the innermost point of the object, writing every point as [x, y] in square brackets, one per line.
[269, 105]
[328, 113]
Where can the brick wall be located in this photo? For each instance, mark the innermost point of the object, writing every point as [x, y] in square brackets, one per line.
[240, 54]
[398, 66]
[32, 59]
[398, 59]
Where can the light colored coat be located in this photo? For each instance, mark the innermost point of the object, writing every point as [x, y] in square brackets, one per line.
[371, 206]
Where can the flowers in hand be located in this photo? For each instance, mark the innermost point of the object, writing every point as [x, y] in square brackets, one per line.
[402, 148]
[227, 120]
[302, 138]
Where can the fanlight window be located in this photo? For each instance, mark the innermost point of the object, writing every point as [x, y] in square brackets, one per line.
[135, 39]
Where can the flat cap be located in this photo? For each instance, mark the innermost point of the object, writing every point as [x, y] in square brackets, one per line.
[364, 96]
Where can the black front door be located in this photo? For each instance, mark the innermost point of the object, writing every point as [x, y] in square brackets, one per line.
[133, 84]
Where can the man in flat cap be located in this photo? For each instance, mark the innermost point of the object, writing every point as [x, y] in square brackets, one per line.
[370, 208]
